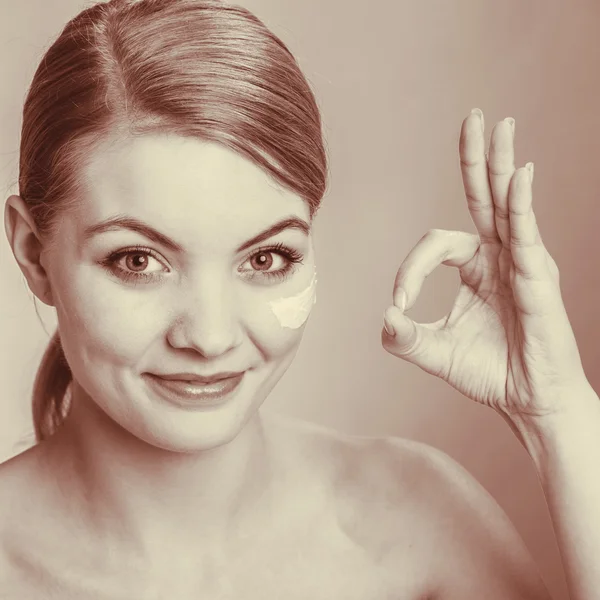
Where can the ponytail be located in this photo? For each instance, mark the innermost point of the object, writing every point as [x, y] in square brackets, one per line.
[50, 390]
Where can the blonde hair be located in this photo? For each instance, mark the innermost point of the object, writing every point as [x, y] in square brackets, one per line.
[191, 67]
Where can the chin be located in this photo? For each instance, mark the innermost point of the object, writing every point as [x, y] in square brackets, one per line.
[187, 441]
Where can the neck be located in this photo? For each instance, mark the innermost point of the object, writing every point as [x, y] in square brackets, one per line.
[128, 491]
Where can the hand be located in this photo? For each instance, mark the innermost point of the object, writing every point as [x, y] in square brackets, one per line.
[507, 341]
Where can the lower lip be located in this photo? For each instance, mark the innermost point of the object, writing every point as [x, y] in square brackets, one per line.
[188, 394]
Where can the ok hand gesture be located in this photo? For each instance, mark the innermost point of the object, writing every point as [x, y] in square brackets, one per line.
[507, 341]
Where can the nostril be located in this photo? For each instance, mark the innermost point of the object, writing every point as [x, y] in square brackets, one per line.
[210, 338]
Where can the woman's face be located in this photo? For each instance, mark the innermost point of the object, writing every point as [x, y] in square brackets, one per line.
[182, 261]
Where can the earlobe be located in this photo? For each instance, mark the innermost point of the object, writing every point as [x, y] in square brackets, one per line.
[27, 247]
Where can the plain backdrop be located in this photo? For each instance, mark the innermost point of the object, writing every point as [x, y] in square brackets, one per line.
[394, 80]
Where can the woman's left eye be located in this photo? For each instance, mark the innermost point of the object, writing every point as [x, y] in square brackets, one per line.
[264, 261]
[277, 261]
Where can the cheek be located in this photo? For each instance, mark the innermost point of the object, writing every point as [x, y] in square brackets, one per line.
[100, 322]
[293, 311]
[276, 319]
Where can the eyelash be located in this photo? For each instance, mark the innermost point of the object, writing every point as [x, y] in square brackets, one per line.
[129, 276]
[292, 256]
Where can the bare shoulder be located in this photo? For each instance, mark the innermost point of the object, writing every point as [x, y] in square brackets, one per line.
[27, 528]
[421, 515]
[365, 501]
[430, 509]
[15, 478]
[16, 494]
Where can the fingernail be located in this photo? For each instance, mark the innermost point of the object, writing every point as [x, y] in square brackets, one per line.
[529, 166]
[403, 300]
[511, 122]
[479, 113]
[388, 326]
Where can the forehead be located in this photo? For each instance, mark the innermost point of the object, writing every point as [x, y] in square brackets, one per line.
[182, 185]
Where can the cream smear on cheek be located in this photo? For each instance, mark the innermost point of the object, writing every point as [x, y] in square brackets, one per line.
[292, 311]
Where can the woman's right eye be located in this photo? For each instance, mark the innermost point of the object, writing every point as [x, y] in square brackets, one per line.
[135, 263]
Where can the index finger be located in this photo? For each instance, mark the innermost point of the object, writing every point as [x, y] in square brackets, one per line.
[474, 169]
[435, 248]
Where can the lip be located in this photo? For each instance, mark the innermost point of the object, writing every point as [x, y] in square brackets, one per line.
[188, 390]
[199, 379]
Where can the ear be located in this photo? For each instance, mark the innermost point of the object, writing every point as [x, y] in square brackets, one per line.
[27, 247]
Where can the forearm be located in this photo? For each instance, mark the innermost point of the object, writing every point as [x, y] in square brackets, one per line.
[566, 453]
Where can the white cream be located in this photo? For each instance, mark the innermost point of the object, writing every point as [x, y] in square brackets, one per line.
[293, 311]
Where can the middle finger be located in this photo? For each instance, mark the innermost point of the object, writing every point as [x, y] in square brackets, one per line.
[501, 167]
[474, 171]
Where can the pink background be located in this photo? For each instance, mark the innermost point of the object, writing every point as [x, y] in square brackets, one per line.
[394, 80]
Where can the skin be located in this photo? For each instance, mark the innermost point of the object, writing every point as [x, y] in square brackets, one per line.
[133, 498]
[507, 342]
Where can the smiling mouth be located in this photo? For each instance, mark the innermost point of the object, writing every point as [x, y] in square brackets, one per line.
[193, 391]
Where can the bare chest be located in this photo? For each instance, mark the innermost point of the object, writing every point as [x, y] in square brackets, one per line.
[320, 565]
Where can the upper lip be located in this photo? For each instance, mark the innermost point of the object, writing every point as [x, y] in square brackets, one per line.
[195, 378]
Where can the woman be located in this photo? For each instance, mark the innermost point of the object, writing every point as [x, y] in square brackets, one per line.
[171, 166]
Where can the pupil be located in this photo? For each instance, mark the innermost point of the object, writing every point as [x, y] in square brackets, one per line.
[137, 262]
[263, 260]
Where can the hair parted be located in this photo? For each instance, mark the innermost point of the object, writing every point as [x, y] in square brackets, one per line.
[197, 68]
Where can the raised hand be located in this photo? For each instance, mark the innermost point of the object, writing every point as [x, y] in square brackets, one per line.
[507, 341]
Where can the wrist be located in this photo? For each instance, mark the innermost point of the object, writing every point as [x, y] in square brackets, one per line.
[552, 435]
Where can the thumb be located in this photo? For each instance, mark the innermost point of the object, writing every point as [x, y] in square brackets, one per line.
[426, 345]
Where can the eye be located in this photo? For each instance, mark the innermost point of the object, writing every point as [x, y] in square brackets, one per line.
[274, 262]
[135, 264]
[138, 262]
[264, 260]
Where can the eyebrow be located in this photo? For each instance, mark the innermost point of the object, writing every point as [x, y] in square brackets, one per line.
[131, 224]
[287, 223]
[137, 226]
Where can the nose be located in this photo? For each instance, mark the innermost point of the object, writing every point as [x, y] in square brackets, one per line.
[206, 320]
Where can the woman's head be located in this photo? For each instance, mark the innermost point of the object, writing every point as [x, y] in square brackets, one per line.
[187, 119]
